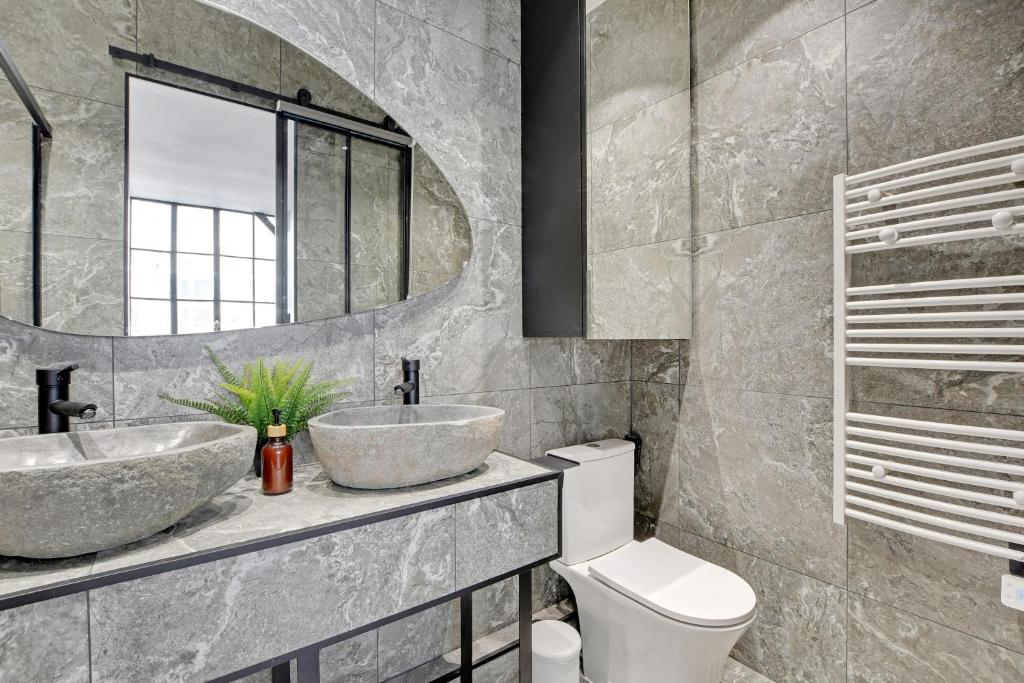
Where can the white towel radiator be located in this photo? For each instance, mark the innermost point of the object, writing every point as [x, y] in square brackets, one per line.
[954, 483]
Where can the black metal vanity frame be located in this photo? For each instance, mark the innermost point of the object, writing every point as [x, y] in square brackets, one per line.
[308, 658]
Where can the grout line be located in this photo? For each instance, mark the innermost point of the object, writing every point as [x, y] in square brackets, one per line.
[733, 228]
[641, 110]
[758, 56]
[637, 246]
[444, 30]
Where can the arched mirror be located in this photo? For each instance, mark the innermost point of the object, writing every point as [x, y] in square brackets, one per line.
[167, 168]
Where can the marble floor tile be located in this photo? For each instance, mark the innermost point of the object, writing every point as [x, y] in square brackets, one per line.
[927, 76]
[763, 307]
[573, 360]
[886, 644]
[755, 473]
[726, 33]
[637, 54]
[770, 134]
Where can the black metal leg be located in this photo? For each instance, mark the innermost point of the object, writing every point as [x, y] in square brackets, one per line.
[307, 666]
[281, 673]
[526, 627]
[466, 638]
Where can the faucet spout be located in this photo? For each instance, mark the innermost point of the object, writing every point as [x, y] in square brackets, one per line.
[83, 411]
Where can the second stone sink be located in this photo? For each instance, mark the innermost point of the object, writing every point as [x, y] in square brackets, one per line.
[70, 494]
[390, 446]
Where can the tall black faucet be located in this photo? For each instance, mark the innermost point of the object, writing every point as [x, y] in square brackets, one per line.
[54, 407]
[410, 386]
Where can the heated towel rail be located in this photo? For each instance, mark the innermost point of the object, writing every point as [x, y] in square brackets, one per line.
[959, 484]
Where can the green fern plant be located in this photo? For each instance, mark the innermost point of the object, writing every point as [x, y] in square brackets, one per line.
[250, 397]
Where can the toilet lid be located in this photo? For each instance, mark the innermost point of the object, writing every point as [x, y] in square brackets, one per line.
[677, 584]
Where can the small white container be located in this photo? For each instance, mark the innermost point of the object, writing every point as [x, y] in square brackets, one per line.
[556, 653]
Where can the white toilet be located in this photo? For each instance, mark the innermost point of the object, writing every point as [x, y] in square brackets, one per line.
[648, 613]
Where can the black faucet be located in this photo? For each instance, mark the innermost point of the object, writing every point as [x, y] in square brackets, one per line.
[54, 407]
[410, 386]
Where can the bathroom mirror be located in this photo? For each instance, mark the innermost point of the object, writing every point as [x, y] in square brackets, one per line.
[167, 168]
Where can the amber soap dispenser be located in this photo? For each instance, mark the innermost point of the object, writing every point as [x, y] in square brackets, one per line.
[277, 459]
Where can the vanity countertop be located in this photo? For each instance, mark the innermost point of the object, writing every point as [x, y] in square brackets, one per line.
[243, 520]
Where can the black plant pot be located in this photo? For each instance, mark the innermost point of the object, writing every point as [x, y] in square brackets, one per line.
[257, 460]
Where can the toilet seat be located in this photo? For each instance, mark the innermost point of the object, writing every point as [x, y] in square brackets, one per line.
[676, 584]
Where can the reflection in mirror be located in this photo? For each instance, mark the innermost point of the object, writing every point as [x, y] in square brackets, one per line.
[184, 190]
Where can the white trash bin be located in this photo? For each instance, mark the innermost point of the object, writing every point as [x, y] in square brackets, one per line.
[556, 652]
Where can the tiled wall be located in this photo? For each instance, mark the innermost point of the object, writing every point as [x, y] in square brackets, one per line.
[451, 78]
[638, 149]
[737, 421]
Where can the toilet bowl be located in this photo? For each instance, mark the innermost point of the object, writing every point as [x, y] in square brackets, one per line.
[649, 613]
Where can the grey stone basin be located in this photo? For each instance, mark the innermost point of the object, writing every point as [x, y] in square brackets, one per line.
[70, 494]
[390, 446]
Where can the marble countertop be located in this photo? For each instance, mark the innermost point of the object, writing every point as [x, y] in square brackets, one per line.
[242, 516]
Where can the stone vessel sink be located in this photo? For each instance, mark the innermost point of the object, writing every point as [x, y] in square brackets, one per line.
[390, 446]
[70, 494]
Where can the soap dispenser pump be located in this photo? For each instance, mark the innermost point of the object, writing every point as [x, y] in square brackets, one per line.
[277, 458]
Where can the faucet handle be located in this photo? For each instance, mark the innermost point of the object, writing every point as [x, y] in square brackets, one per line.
[51, 376]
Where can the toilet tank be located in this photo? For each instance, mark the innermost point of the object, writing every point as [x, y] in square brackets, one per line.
[597, 499]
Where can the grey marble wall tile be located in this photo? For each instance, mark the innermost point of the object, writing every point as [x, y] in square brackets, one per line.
[320, 206]
[83, 168]
[340, 33]
[143, 366]
[971, 391]
[350, 661]
[329, 89]
[770, 134]
[945, 584]
[567, 415]
[557, 361]
[319, 289]
[464, 109]
[930, 76]
[656, 480]
[415, 640]
[526, 520]
[491, 24]
[24, 348]
[660, 360]
[440, 236]
[640, 292]
[728, 33]
[196, 622]
[639, 177]
[80, 30]
[46, 641]
[371, 288]
[372, 243]
[638, 54]
[83, 287]
[468, 333]
[886, 644]
[16, 275]
[515, 432]
[755, 473]
[763, 307]
[799, 633]
[15, 163]
[504, 669]
[202, 37]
